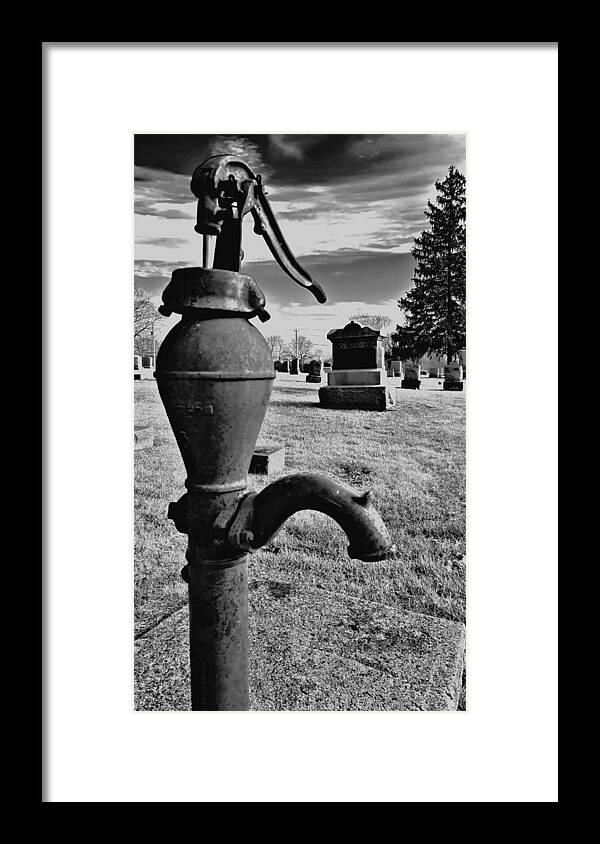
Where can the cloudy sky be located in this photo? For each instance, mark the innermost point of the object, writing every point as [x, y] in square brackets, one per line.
[349, 207]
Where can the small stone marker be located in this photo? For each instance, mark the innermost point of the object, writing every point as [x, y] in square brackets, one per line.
[396, 367]
[412, 376]
[143, 367]
[357, 378]
[453, 375]
[268, 459]
[315, 368]
[142, 438]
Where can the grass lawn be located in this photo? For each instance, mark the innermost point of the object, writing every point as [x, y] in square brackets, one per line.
[412, 457]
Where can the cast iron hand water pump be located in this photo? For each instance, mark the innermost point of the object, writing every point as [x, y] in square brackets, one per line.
[215, 375]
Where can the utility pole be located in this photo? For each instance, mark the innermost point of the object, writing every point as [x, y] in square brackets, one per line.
[297, 358]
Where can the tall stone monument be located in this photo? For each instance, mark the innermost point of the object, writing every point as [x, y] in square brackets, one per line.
[358, 378]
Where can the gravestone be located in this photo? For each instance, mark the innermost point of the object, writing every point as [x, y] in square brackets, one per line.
[396, 368]
[453, 376]
[148, 361]
[285, 366]
[412, 376]
[268, 459]
[357, 378]
[142, 371]
[315, 368]
[462, 359]
[294, 366]
[356, 347]
[142, 437]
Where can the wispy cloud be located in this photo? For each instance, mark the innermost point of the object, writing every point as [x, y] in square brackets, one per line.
[153, 276]
[168, 242]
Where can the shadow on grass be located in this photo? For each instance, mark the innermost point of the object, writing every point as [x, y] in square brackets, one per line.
[318, 406]
[295, 403]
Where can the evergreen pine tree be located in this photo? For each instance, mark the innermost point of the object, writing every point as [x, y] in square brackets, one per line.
[435, 305]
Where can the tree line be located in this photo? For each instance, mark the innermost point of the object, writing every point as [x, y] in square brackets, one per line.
[302, 348]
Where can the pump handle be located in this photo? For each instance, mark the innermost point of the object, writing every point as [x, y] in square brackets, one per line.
[227, 189]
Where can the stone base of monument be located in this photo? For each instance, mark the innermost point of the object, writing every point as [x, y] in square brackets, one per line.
[410, 384]
[315, 650]
[313, 379]
[357, 378]
[358, 398]
[268, 459]
[143, 438]
[453, 385]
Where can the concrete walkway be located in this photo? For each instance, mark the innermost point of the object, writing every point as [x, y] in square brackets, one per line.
[311, 649]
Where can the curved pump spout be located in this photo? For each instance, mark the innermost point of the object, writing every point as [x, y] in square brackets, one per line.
[260, 516]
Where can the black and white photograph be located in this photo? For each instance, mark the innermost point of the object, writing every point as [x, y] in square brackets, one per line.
[300, 484]
[300, 391]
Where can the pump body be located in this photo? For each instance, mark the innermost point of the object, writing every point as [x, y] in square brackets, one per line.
[215, 375]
